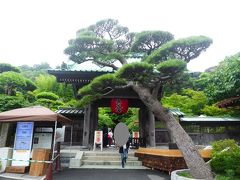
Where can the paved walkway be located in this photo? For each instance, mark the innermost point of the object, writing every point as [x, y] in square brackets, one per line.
[116, 174]
[103, 174]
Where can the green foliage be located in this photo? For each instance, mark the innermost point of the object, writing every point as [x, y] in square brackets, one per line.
[64, 91]
[184, 80]
[87, 99]
[49, 99]
[8, 67]
[104, 81]
[104, 42]
[147, 41]
[171, 66]
[185, 174]
[30, 96]
[53, 105]
[44, 102]
[190, 102]
[224, 177]
[47, 95]
[220, 145]
[201, 82]
[224, 82]
[98, 86]
[104, 119]
[185, 49]
[111, 120]
[11, 102]
[11, 81]
[46, 83]
[107, 42]
[35, 71]
[72, 103]
[213, 110]
[30, 86]
[227, 161]
[137, 71]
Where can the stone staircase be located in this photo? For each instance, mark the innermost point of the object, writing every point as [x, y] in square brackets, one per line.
[104, 160]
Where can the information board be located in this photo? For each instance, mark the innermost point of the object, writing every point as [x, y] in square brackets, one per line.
[23, 139]
[42, 140]
[23, 143]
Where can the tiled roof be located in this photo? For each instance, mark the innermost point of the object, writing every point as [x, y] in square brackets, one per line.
[177, 112]
[70, 111]
[209, 119]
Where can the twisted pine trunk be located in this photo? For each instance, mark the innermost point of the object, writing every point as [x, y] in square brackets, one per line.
[198, 168]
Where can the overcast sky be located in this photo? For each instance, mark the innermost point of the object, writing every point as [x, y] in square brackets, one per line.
[35, 31]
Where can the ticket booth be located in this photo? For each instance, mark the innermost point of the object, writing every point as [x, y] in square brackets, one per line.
[35, 137]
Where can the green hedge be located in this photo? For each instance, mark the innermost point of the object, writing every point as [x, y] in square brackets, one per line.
[226, 161]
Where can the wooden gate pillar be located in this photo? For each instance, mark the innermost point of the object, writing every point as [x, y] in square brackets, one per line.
[86, 125]
[147, 126]
[151, 129]
[93, 123]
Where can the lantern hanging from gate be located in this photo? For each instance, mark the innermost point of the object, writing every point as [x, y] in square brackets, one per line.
[119, 106]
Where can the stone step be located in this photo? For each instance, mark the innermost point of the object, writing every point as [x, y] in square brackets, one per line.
[93, 153]
[111, 167]
[103, 163]
[108, 158]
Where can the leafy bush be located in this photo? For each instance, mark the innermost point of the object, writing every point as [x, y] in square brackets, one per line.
[220, 145]
[227, 161]
[47, 95]
[11, 102]
[216, 111]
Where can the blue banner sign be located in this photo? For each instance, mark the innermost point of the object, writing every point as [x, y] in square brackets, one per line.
[23, 139]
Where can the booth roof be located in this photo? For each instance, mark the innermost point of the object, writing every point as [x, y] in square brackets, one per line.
[34, 113]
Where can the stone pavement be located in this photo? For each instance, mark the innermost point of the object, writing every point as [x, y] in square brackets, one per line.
[101, 174]
[113, 174]
[8, 176]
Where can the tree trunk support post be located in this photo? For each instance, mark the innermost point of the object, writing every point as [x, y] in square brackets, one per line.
[58, 160]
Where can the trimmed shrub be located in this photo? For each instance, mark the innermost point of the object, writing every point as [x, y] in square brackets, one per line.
[47, 95]
[226, 161]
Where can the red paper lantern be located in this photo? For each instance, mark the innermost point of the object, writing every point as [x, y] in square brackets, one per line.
[119, 106]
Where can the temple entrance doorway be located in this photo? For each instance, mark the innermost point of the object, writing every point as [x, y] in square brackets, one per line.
[107, 121]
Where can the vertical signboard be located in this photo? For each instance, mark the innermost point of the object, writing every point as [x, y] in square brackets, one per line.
[135, 134]
[23, 143]
[98, 139]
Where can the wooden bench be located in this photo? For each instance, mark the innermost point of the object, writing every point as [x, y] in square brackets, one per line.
[165, 159]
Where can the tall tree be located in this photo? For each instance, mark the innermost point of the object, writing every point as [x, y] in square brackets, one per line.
[11, 81]
[107, 42]
[190, 102]
[8, 67]
[224, 81]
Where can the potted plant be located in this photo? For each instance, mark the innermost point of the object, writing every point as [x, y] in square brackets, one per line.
[182, 174]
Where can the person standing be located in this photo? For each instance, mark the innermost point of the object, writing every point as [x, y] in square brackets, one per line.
[122, 152]
[105, 135]
[110, 137]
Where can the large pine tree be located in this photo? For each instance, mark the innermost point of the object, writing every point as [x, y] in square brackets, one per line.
[162, 59]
